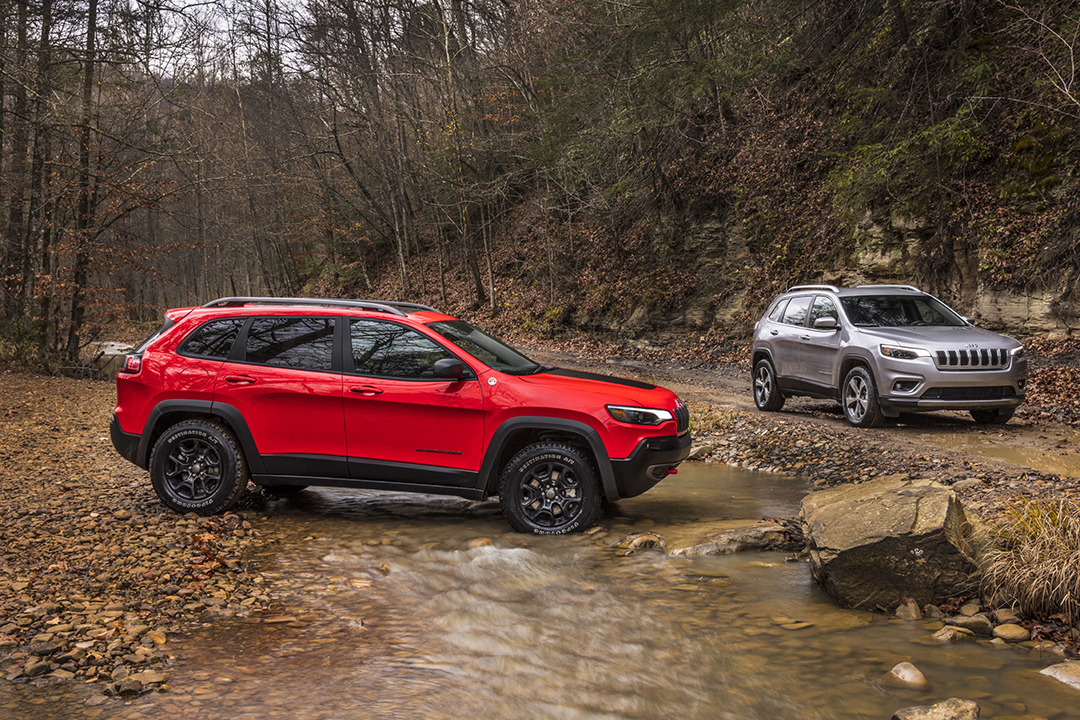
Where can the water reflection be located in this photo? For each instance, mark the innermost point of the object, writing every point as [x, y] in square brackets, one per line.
[392, 609]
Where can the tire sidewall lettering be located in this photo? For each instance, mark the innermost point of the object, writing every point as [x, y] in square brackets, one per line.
[557, 457]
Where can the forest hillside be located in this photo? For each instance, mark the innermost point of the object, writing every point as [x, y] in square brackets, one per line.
[650, 172]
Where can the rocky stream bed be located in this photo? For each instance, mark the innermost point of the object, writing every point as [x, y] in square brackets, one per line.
[97, 575]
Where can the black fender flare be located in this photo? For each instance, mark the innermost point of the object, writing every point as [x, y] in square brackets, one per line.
[489, 471]
[204, 408]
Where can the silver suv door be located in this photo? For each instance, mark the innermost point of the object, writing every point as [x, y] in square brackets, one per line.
[786, 339]
[820, 346]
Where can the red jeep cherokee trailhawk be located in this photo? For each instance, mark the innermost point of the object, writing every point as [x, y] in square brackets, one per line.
[353, 393]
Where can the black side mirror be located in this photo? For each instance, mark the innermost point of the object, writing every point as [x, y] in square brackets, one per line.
[450, 368]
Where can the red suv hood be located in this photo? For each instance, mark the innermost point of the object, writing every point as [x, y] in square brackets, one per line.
[631, 391]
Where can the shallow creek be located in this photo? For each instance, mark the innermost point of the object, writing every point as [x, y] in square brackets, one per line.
[388, 612]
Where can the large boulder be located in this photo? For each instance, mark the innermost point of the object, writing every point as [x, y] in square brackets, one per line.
[874, 543]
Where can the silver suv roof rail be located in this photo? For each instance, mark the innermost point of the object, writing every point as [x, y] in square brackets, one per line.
[814, 287]
[892, 287]
[392, 307]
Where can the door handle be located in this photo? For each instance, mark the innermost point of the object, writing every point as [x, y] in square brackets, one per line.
[774, 332]
[365, 390]
[239, 379]
[804, 337]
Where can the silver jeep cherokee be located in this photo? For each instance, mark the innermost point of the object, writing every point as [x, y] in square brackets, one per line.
[880, 350]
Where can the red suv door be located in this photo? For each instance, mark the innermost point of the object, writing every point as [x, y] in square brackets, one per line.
[288, 392]
[403, 423]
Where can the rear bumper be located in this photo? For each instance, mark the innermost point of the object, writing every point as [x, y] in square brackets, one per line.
[649, 464]
[126, 444]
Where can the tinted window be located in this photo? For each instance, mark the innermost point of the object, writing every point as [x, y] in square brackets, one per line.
[796, 311]
[292, 342]
[778, 311]
[823, 307]
[213, 339]
[385, 349]
[899, 311]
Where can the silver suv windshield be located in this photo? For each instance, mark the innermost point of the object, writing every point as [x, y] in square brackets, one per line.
[899, 311]
[485, 348]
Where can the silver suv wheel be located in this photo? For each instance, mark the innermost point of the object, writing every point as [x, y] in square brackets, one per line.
[767, 395]
[860, 399]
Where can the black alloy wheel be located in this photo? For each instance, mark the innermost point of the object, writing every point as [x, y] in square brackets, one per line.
[550, 489]
[197, 466]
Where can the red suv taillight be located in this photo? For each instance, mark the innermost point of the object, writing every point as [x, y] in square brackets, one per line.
[132, 364]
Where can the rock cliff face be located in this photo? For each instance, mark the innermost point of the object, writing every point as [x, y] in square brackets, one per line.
[890, 251]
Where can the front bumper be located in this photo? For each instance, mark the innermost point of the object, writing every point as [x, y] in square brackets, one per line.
[649, 464]
[920, 385]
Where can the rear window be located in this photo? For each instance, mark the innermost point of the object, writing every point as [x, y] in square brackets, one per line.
[213, 339]
[796, 311]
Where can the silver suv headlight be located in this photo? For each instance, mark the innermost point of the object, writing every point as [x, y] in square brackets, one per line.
[903, 353]
[1017, 352]
[638, 415]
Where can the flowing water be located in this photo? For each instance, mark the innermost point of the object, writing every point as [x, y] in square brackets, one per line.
[397, 606]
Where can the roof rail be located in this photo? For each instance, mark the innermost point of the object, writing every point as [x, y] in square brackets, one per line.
[814, 287]
[894, 287]
[392, 307]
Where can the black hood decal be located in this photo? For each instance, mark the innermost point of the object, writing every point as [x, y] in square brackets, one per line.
[602, 378]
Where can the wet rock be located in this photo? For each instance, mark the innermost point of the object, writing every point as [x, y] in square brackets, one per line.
[731, 536]
[36, 669]
[951, 709]
[1066, 672]
[933, 612]
[909, 611]
[129, 686]
[642, 541]
[1006, 616]
[952, 634]
[480, 542]
[1012, 633]
[906, 675]
[875, 542]
[978, 624]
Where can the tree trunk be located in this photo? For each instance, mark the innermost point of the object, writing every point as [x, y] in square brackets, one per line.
[84, 214]
[16, 179]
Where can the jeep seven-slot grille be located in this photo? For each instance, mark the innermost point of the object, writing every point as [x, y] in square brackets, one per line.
[682, 418]
[985, 359]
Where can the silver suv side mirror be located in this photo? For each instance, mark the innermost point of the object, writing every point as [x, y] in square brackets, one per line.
[826, 323]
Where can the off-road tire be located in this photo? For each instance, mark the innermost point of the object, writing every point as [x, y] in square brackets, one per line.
[767, 395]
[550, 489]
[859, 398]
[197, 466]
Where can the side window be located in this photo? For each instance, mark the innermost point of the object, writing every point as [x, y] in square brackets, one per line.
[823, 307]
[213, 339]
[386, 349]
[778, 311]
[795, 314]
[303, 343]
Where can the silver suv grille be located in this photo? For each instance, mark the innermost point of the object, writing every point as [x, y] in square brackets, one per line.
[988, 359]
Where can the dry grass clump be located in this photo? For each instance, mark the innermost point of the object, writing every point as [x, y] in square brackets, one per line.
[1038, 568]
